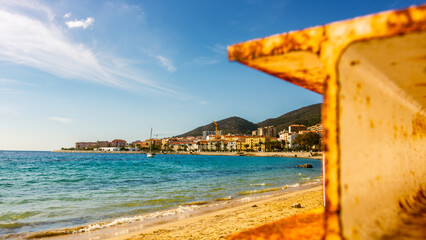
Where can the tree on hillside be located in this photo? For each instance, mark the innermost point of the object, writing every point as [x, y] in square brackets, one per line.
[307, 140]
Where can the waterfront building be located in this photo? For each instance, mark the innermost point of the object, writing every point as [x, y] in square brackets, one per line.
[290, 139]
[109, 149]
[283, 135]
[269, 131]
[316, 128]
[103, 144]
[295, 128]
[207, 133]
[118, 143]
[256, 143]
[155, 142]
[86, 145]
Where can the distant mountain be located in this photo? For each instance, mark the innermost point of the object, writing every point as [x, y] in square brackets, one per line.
[308, 116]
[229, 125]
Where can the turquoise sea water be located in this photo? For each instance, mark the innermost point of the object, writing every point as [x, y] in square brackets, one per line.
[45, 190]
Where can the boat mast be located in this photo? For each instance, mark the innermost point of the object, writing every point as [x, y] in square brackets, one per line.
[150, 142]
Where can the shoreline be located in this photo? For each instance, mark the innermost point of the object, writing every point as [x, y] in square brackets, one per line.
[248, 154]
[126, 227]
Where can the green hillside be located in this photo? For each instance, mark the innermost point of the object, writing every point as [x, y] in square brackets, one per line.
[308, 116]
[228, 125]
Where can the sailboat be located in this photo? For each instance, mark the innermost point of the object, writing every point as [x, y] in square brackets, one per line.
[150, 154]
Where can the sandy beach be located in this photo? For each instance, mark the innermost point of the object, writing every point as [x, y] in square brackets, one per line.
[213, 224]
[220, 224]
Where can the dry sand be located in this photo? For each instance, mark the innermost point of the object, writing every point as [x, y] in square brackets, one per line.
[220, 224]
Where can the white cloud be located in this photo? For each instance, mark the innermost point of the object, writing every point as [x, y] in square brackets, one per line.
[67, 15]
[60, 119]
[81, 23]
[31, 39]
[166, 63]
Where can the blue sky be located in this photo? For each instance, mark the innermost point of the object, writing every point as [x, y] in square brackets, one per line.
[100, 70]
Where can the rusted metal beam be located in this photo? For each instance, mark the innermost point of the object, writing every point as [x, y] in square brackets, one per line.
[372, 73]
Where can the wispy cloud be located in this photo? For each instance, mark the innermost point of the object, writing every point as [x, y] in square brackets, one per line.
[80, 23]
[166, 63]
[67, 15]
[60, 119]
[30, 37]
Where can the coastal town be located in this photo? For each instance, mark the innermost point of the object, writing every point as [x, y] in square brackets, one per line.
[264, 139]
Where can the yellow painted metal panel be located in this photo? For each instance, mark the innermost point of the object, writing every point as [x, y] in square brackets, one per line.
[371, 71]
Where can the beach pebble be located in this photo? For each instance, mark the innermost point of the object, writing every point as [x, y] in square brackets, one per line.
[296, 205]
[254, 205]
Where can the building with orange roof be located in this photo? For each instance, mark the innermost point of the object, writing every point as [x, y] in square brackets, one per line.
[118, 143]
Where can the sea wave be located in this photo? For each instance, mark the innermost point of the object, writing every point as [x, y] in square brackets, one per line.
[258, 184]
[11, 225]
[155, 215]
[13, 216]
[292, 186]
[223, 199]
[257, 191]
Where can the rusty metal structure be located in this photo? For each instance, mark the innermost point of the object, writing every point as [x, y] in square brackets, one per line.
[371, 71]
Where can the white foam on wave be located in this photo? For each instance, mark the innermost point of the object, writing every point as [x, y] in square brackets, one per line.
[155, 215]
[306, 178]
[258, 184]
[292, 186]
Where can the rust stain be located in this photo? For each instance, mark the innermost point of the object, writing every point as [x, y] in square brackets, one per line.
[355, 233]
[422, 84]
[412, 221]
[368, 101]
[355, 62]
[358, 86]
[371, 124]
[419, 125]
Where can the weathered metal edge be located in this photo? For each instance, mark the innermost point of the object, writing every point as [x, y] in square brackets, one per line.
[329, 46]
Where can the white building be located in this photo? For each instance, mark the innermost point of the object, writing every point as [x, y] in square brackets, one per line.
[290, 139]
[109, 149]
